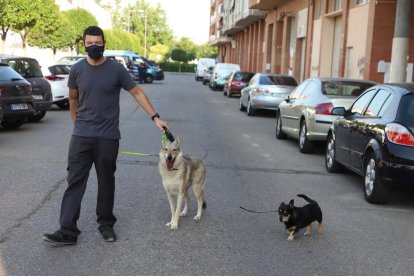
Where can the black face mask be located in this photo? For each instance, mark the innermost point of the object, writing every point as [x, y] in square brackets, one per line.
[95, 52]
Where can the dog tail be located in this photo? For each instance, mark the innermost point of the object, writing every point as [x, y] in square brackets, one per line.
[307, 198]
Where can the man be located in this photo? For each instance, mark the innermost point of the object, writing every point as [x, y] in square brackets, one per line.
[142, 69]
[94, 88]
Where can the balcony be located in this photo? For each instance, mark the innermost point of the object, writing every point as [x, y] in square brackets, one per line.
[266, 4]
[219, 39]
[249, 17]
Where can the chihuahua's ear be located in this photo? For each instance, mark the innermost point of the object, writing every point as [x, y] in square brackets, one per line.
[291, 203]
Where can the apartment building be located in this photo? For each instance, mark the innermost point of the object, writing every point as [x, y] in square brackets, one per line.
[307, 38]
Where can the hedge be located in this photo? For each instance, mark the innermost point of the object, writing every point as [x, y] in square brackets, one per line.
[175, 67]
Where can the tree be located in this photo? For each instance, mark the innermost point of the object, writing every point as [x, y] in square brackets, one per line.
[80, 19]
[158, 52]
[62, 35]
[204, 50]
[18, 15]
[133, 18]
[120, 40]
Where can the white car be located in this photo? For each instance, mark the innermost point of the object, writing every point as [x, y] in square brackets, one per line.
[58, 75]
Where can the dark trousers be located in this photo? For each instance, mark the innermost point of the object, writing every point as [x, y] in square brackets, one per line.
[83, 152]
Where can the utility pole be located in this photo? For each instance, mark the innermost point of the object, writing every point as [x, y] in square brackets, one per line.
[400, 42]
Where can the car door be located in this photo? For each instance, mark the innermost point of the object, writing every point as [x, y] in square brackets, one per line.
[347, 127]
[365, 127]
[288, 109]
[246, 90]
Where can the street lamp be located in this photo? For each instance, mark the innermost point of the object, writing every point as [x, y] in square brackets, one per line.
[144, 15]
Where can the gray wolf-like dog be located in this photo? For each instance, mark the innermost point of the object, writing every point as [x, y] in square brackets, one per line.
[178, 173]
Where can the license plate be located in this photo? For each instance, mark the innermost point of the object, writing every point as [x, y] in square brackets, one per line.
[21, 106]
[38, 97]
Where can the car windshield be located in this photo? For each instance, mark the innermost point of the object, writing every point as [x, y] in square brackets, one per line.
[342, 88]
[27, 68]
[277, 80]
[59, 70]
[406, 109]
[8, 74]
[243, 76]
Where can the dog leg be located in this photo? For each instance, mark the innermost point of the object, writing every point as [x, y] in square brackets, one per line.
[291, 236]
[186, 203]
[174, 222]
[172, 206]
[198, 190]
[308, 231]
[320, 228]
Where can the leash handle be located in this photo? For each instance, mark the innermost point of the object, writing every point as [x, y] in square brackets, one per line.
[167, 135]
[259, 212]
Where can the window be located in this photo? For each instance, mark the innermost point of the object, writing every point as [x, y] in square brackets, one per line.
[379, 103]
[27, 68]
[277, 80]
[335, 5]
[342, 88]
[359, 105]
[296, 94]
[361, 2]
[406, 108]
[312, 89]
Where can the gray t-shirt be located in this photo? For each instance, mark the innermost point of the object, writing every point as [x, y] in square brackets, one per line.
[99, 88]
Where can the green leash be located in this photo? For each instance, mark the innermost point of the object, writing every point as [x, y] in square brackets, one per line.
[137, 153]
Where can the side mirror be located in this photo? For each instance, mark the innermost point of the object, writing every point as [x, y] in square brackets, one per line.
[338, 111]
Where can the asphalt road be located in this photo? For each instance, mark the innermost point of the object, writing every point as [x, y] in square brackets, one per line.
[246, 167]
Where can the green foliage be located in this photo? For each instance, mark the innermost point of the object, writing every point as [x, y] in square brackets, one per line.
[177, 67]
[59, 35]
[147, 22]
[80, 19]
[121, 40]
[158, 52]
[206, 51]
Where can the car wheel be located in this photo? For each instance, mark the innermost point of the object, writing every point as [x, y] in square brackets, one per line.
[204, 82]
[242, 107]
[12, 124]
[375, 190]
[279, 132]
[305, 146]
[149, 79]
[37, 117]
[63, 105]
[331, 165]
[250, 108]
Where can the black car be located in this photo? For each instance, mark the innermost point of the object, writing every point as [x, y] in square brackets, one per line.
[16, 100]
[29, 69]
[375, 138]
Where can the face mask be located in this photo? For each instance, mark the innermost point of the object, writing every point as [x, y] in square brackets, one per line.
[95, 52]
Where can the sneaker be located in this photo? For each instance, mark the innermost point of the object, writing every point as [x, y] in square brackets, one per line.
[60, 238]
[108, 233]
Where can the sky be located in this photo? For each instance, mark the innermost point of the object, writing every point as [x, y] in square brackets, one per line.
[189, 18]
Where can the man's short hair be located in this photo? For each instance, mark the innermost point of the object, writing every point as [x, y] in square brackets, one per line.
[93, 30]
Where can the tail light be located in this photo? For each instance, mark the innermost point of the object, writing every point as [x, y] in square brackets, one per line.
[2, 88]
[399, 134]
[324, 108]
[54, 78]
[235, 83]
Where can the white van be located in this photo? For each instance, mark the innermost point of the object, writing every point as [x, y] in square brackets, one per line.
[220, 74]
[203, 64]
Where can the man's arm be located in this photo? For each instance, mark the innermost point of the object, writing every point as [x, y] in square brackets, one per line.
[73, 102]
[142, 99]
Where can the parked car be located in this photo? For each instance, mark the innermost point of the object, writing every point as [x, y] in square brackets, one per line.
[236, 82]
[306, 114]
[207, 74]
[70, 60]
[16, 100]
[58, 75]
[202, 65]
[29, 69]
[220, 73]
[266, 91]
[375, 138]
[132, 60]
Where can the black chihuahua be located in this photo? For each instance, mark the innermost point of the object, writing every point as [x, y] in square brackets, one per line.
[296, 218]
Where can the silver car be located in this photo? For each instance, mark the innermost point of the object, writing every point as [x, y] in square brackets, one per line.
[266, 91]
[306, 114]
